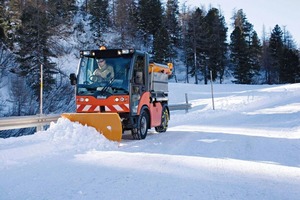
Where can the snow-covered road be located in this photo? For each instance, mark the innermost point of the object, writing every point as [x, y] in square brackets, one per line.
[247, 148]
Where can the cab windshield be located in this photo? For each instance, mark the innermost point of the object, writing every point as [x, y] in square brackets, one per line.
[104, 76]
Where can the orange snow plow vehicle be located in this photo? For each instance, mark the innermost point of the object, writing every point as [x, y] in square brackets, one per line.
[119, 90]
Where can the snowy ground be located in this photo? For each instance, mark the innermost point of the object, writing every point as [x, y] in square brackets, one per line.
[247, 148]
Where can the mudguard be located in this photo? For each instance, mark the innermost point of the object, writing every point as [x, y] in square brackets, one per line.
[108, 124]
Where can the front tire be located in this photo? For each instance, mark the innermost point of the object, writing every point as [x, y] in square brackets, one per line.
[141, 131]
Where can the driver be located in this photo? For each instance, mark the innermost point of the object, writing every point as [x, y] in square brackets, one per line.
[104, 71]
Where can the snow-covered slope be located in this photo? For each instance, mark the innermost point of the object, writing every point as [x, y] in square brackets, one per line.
[247, 148]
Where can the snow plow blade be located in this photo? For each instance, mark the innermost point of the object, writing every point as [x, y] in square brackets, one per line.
[108, 124]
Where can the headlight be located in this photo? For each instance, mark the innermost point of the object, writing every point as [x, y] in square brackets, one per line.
[85, 53]
[125, 51]
[83, 99]
[119, 99]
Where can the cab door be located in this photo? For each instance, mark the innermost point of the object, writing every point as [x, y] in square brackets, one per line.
[138, 82]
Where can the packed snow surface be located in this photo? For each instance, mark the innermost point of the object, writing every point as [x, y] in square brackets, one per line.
[248, 147]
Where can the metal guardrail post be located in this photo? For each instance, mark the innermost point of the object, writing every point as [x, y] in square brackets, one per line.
[187, 102]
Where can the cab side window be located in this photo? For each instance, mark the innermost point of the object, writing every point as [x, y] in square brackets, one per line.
[139, 76]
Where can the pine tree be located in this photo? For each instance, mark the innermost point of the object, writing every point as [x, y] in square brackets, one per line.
[255, 56]
[217, 46]
[161, 45]
[184, 21]
[99, 20]
[6, 57]
[266, 59]
[171, 21]
[297, 77]
[34, 50]
[197, 43]
[14, 10]
[61, 12]
[239, 57]
[289, 68]
[3, 21]
[245, 50]
[150, 16]
[284, 57]
[133, 30]
[126, 22]
[276, 52]
[122, 19]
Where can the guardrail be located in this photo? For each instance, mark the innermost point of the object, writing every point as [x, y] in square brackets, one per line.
[184, 106]
[38, 121]
[8, 123]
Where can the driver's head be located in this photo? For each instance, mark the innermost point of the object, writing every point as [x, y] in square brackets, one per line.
[101, 63]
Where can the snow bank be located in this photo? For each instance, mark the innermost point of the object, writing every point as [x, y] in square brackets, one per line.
[67, 134]
[61, 137]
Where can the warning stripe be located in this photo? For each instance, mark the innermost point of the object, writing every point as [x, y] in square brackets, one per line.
[125, 107]
[110, 108]
[86, 108]
[117, 108]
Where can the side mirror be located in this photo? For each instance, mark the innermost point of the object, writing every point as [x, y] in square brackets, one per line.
[73, 79]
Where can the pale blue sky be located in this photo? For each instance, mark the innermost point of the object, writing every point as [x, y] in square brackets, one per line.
[285, 13]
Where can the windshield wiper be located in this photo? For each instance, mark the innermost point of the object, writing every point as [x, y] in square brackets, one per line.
[108, 85]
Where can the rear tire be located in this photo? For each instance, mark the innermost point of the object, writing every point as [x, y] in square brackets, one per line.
[164, 121]
[141, 131]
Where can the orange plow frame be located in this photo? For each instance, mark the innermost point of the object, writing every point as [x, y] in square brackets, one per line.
[108, 124]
